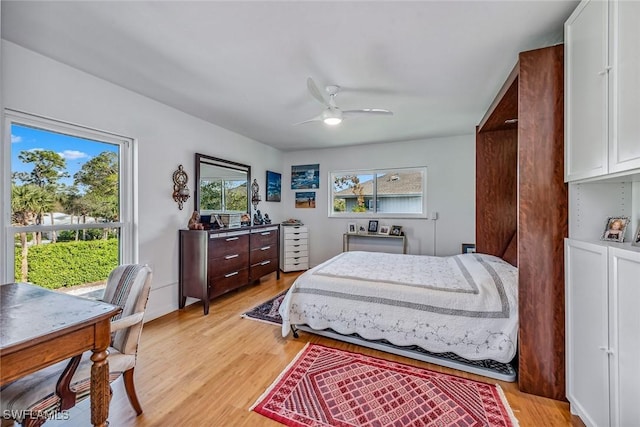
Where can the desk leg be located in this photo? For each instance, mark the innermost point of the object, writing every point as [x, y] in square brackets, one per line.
[100, 391]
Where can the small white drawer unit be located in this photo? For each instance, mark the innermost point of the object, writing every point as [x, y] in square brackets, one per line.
[294, 248]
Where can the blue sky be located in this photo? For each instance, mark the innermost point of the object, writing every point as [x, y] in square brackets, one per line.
[76, 151]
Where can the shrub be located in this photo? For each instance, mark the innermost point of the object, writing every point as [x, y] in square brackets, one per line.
[64, 264]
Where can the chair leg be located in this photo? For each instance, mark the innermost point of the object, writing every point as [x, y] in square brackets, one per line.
[131, 391]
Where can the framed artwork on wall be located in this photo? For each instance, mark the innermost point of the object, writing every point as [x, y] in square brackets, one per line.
[274, 186]
[305, 177]
[305, 199]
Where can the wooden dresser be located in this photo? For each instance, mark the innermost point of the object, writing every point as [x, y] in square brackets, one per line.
[214, 262]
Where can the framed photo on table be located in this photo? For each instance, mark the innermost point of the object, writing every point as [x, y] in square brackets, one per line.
[396, 230]
[352, 228]
[615, 228]
[373, 226]
[636, 237]
[384, 229]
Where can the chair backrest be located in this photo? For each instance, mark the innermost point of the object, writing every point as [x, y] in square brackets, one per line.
[128, 286]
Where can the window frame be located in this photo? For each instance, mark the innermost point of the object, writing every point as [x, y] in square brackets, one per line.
[374, 199]
[128, 248]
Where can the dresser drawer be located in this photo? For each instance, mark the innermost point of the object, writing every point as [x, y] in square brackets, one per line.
[296, 259]
[295, 229]
[296, 252]
[266, 252]
[264, 267]
[261, 238]
[228, 263]
[227, 282]
[227, 244]
[295, 266]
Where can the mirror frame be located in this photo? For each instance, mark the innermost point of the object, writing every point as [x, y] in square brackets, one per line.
[215, 161]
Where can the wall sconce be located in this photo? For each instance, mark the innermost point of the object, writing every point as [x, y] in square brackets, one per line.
[180, 189]
[255, 195]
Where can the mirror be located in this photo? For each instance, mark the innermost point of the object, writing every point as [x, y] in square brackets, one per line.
[221, 186]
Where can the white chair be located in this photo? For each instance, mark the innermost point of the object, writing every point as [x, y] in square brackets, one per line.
[60, 386]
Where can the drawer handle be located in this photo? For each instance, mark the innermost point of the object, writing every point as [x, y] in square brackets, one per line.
[232, 238]
[296, 240]
[265, 262]
[232, 256]
[265, 248]
[266, 233]
[296, 252]
[231, 274]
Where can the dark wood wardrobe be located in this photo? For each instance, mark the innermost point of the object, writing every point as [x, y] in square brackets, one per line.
[521, 194]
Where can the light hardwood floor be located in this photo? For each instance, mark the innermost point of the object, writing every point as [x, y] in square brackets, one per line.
[196, 370]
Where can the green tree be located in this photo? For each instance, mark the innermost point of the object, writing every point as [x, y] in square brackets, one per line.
[48, 168]
[99, 179]
[353, 182]
[28, 201]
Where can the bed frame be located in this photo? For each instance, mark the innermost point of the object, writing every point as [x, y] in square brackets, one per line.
[487, 368]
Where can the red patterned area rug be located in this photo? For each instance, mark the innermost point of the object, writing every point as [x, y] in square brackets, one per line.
[325, 386]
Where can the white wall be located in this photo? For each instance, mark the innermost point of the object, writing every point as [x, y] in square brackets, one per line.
[450, 191]
[165, 138]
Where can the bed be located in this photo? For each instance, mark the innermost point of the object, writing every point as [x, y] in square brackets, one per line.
[464, 305]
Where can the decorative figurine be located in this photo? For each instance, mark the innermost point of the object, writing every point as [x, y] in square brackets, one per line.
[257, 218]
[194, 222]
[267, 220]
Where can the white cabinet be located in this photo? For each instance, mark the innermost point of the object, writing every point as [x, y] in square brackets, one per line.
[602, 65]
[624, 336]
[586, 326]
[602, 324]
[295, 248]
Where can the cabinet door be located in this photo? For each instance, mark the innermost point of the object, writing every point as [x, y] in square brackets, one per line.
[624, 148]
[624, 303]
[586, 146]
[587, 331]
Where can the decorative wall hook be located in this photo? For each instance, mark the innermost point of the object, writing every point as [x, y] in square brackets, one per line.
[255, 194]
[180, 189]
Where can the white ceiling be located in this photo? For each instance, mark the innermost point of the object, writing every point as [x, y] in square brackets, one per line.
[243, 65]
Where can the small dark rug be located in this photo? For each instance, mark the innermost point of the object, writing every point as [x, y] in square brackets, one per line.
[267, 311]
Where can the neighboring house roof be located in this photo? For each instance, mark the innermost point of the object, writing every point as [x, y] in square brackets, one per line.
[392, 184]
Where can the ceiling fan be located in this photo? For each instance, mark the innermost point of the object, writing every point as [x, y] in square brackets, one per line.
[332, 115]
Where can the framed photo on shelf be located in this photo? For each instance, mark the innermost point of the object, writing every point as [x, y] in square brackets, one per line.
[396, 230]
[636, 237]
[373, 226]
[615, 228]
[352, 228]
[384, 229]
[468, 248]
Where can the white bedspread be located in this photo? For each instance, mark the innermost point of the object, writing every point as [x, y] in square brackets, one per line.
[465, 304]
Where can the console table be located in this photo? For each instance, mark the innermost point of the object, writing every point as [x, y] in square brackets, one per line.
[347, 236]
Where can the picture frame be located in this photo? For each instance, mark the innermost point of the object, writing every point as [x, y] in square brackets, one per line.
[636, 237]
[396, 230]
[615, 228]
[373, 226]
[305, 177]
[305, 199]
[468, 248]
[352, 228]
[384, 229]
[273, 187]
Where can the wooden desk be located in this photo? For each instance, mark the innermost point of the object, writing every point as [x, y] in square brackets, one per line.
[39, 327]
[347, 236]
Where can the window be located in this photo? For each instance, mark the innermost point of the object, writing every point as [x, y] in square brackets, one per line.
[70, 204]
[393, 193]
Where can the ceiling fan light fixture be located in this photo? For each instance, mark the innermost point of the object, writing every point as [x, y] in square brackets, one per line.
[332, 121]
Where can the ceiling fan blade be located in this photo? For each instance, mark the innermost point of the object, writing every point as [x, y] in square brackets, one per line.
[315, 92]
[369, 111]
[315, 119]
